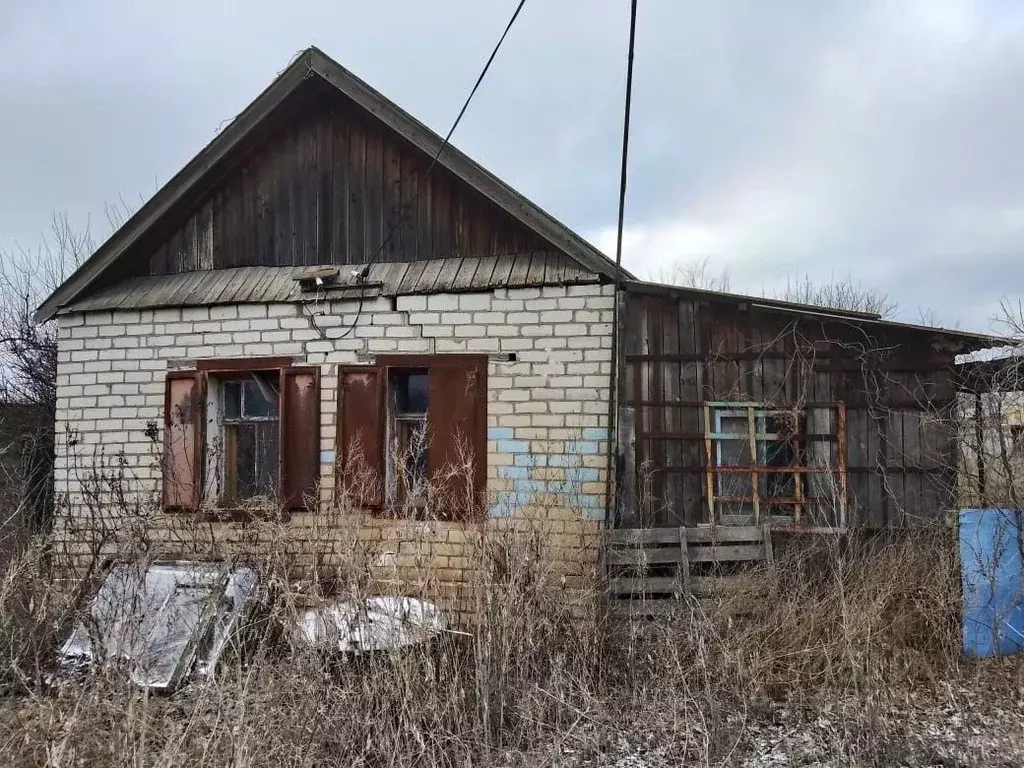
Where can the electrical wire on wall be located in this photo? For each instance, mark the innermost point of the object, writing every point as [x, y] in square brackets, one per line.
[321, 295]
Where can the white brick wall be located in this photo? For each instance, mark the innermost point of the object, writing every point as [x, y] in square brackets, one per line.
[547, 410]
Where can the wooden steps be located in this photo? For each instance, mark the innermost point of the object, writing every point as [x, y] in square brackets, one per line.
[650, 571]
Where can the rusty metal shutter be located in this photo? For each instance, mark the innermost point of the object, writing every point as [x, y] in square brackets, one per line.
[184, 401]
[361, 435]
[457, 428]
[300, 436]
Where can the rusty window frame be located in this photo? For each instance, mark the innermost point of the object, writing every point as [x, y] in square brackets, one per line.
[383, 365]
[800, 470]
[225, 369]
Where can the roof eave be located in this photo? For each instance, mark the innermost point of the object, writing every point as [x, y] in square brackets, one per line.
[315, 61]
[970, 340]
[463, 166]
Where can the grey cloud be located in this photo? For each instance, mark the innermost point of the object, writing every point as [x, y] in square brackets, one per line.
[876, 139]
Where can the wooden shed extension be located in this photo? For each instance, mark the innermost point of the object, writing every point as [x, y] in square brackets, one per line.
[745, 411]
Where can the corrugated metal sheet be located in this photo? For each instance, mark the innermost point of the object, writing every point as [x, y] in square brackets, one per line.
[253, 285]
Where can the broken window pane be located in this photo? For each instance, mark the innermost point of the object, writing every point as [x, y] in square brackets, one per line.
[409, 391]
[768, 433]
[407, 436]
[260, 397]
[251, 460]
[232, 399]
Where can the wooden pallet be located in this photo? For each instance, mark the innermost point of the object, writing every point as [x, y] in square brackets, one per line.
[648, 570]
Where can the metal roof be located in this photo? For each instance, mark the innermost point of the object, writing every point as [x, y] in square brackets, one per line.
[253, 285]
[314, 63]
[866, 319]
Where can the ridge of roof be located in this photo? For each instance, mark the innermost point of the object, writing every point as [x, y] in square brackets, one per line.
[314, 62]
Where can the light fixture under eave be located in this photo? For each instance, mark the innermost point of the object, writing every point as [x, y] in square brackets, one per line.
[316, 278]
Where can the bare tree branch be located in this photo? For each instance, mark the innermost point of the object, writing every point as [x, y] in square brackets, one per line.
[694, 274]
[843, 293]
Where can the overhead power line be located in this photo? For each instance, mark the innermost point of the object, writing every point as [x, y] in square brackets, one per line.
[444, 144]
[613, 384]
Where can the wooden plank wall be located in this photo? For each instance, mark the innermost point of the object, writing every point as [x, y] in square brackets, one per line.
[899, 394]
[334, 187]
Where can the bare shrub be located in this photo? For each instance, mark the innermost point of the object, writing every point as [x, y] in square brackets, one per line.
[841, 293]
[530, 674]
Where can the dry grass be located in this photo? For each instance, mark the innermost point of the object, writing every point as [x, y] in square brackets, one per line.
[858, 631]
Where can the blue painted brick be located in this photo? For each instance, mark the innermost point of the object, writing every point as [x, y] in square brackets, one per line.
[595, 513]
[503, 507]
[583, 447]
[327, 457]
[595, 433]
[532, 486]
[513, 446]
[565, 460]
[516, 473]
[588, 475]
[500, 433]
[531, 460]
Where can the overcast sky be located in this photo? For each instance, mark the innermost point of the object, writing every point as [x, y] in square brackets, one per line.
[884, 140]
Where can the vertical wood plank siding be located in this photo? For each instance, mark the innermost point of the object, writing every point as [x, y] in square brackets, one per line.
[898, 390]
[334, 187]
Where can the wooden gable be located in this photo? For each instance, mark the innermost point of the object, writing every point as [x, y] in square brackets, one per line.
[322, 169]
[336, 187]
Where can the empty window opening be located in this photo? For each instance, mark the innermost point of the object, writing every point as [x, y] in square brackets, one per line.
[407, 436]
[757, 449]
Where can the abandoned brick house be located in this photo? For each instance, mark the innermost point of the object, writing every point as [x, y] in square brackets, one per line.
[315, 308]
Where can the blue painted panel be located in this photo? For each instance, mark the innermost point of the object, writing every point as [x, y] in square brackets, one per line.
[532, 486]
[504, 507]
[990, 563]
